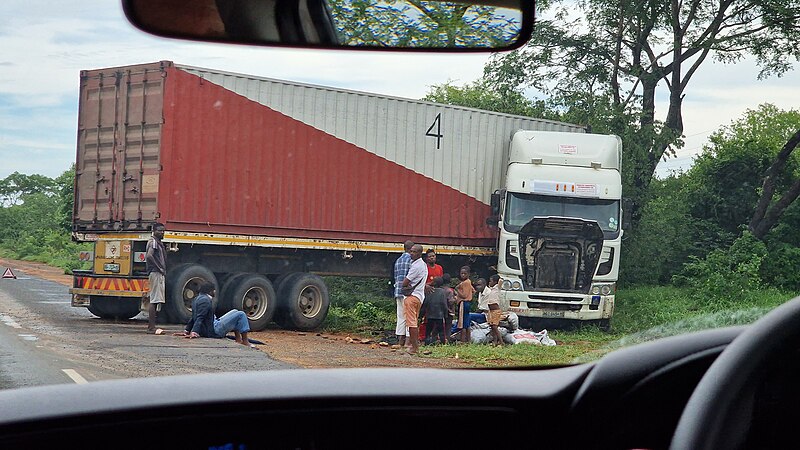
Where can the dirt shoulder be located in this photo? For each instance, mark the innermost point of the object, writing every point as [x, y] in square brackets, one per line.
[309, 350]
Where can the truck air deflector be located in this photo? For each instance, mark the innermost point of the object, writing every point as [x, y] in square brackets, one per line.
[560, 254]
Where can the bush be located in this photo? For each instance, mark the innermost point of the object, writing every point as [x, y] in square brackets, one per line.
[781, 268]
[359, 304]
[725, 274]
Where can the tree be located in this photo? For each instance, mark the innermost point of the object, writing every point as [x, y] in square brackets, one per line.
[478, 94]
[748, 174]
[619, 53]
[16, 186]
[767, 212]
[65, 189]
[416, 23]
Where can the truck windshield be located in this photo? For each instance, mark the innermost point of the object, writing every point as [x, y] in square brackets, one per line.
[521, 208]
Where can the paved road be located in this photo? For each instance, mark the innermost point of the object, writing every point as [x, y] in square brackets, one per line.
[43, 340]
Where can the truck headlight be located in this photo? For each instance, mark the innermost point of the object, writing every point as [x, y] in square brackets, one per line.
[505, 285]
[516, 285]
[602, 289]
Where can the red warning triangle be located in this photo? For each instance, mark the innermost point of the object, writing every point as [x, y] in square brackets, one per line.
[9, 274]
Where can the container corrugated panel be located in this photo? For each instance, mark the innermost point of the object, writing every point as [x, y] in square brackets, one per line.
[463, 148]
[319, 163]
[119, 143]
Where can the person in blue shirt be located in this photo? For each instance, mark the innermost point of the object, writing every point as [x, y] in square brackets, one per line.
[401, 267]
[204, 324]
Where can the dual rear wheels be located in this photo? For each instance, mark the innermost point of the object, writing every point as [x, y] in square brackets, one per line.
[300, 300]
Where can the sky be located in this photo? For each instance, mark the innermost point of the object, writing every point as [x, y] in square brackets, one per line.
[46, 44]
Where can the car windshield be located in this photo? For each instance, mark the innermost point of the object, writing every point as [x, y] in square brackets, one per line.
[521, 208]
[172, 207]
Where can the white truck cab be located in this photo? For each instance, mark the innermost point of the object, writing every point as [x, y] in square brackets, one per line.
[560, 221]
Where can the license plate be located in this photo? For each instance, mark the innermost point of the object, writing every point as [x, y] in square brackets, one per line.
[553, 314]
[111, 267]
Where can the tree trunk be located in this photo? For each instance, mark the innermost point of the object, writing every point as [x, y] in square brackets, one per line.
[764, 217]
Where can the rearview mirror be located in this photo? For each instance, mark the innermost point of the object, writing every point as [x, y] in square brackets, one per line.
[466, 25]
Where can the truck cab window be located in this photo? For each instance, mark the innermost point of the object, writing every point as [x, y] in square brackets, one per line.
[524, 207]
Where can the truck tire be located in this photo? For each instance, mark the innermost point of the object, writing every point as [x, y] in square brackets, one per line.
[281, 314]
[224, 299]
[114, 307]
[255, 296]
[183, 285]
[303, 302]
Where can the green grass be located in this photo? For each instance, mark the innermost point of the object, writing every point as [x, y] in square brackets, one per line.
[570, 346]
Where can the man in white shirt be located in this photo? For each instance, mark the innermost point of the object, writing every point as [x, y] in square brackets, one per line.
[413, 302]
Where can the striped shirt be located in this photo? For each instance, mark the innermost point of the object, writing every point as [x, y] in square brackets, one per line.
[401, 267]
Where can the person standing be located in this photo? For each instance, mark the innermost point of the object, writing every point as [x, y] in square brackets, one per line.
[155, 261]
[434, 270]
[450, 296]
[493, 313]
[414, 285]
[464, 293]
[483, 292]
[401, 266]
[434, 310]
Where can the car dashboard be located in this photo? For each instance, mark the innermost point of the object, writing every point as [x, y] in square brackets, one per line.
[631, 398]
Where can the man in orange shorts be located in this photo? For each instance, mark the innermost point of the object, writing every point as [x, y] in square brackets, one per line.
[414, 291]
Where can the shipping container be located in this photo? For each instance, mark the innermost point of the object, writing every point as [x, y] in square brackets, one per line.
[214, 152]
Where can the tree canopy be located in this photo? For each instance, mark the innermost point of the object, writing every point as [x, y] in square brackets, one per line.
[618, 55]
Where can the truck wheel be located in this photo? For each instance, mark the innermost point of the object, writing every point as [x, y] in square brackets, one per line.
[224, 299]
[182, 287]
[114, 307]
[304, 301]
[254, 295]
[281, 316]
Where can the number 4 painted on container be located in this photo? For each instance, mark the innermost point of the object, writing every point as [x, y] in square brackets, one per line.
[437, 123]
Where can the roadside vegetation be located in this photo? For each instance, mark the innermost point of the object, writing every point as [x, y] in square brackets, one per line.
[35, 216]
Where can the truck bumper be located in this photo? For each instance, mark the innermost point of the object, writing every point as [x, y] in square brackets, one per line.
[558, 306]
[85, 287]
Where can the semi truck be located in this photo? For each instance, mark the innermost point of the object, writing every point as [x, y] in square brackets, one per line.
[265, 186]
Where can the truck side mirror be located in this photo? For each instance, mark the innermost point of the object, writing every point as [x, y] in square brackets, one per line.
[495, 203]
[627, 213]
[494, 219]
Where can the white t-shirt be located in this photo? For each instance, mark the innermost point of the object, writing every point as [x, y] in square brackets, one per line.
[416, 275]
[482, 299]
